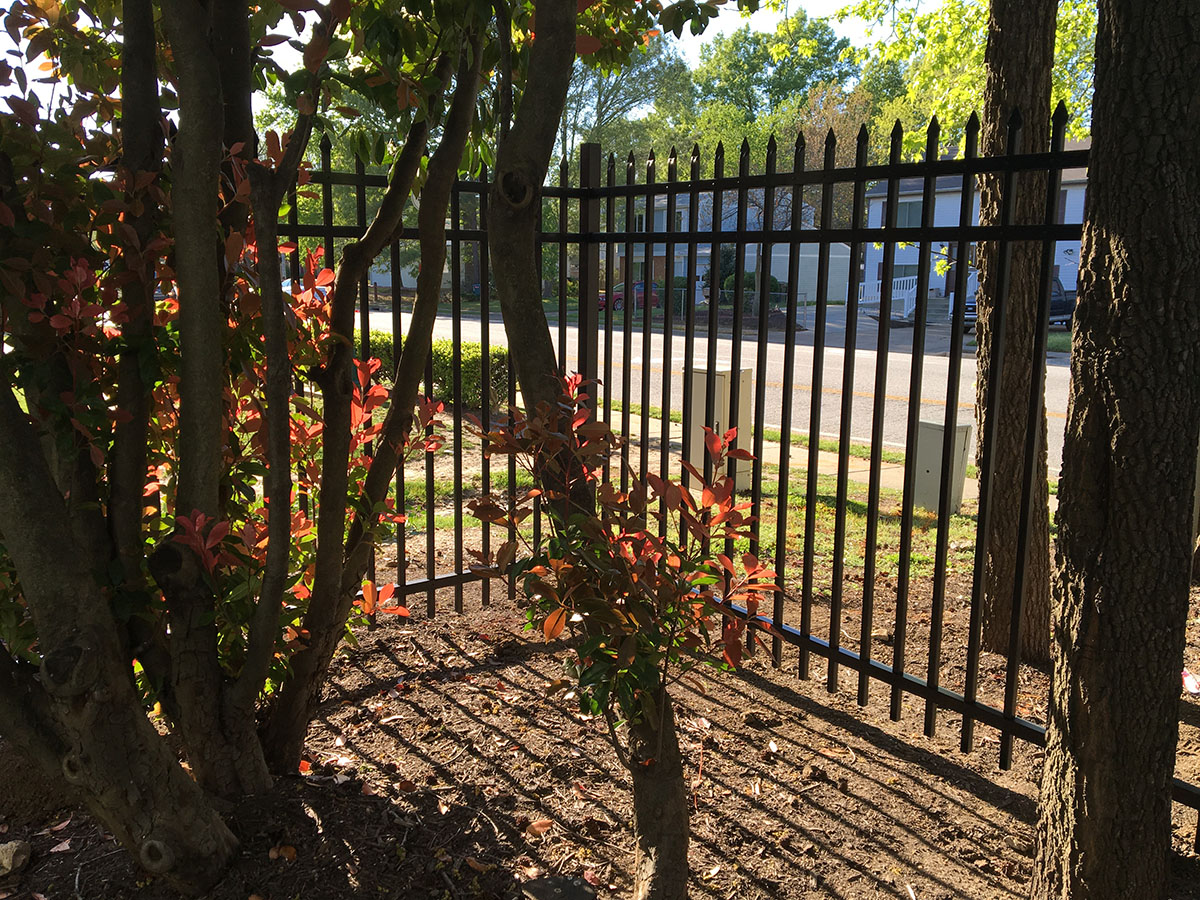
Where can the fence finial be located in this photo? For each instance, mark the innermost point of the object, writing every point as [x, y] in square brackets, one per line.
[1061, 115]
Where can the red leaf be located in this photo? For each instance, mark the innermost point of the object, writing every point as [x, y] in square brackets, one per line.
[370, 597]
[586, 45]
[314, 53]
[554, 624]
[712, 443]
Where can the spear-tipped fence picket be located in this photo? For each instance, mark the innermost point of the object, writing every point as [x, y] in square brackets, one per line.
[600, 232]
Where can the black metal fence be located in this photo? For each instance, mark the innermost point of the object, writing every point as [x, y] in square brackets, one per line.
[633, 266]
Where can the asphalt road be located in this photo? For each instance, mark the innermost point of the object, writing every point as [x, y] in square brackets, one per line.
[895, 387]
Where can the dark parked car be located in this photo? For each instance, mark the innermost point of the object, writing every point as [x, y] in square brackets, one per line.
[1062, 307]
[639, 295]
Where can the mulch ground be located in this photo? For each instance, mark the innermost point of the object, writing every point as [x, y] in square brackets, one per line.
[442, 767]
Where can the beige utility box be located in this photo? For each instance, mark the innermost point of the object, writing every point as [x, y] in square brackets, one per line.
[720, 423]
[929, 464]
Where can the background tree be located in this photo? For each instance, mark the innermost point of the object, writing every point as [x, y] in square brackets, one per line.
[600, 102]
[757, 72]
[1125, 513]
[940, 50]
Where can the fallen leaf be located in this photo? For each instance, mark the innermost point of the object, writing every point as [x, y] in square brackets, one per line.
[443, 806]
[712, 873]
[478, 866]
[531, 872]
[592, 878]
[61, 825]
[369, 790]
[406, 785]
[61, 848]
[339, 741]
[538, 828]
[282, 851]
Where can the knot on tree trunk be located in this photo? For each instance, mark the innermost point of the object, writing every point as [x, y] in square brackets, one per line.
[73, 768]
[516, 189]
[156, 857]
[70, 671]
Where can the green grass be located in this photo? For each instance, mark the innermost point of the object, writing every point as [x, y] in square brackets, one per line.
[1058, 342]
[961, 529]
[772, 435]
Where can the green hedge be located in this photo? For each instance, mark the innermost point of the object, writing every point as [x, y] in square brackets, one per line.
[750, 282]
[468, 355]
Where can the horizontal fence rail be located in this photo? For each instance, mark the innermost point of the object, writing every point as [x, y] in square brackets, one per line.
[771, 298]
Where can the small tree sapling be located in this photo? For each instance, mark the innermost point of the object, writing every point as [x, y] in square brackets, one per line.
[635, 584]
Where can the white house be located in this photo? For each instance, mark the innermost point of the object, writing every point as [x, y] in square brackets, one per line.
[947, 198]
[806, 269]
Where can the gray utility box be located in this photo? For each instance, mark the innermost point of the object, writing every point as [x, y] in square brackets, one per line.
[929, 464]
[720, 418]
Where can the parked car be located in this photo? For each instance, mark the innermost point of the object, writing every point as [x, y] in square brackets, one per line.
[639, 295]
[1062, 307]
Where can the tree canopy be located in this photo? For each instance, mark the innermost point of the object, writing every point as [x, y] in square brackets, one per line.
[938, 52]
[760, 72]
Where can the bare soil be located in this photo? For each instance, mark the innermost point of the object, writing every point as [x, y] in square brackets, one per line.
[442, 767]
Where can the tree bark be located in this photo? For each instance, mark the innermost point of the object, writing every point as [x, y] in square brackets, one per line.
[82, 706]
[1125, 511]
[660, 809]
[1019, 58]
[222, 745]
[515, 202]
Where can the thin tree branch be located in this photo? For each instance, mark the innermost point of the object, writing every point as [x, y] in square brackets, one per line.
[431, 222]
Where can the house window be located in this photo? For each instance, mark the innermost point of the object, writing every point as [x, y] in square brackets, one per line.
[908, 213]
[904, 271]
[1062, 206]
[679, 220]
[639, 222]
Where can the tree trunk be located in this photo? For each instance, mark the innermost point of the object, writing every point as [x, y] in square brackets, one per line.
[1019, 57]
[660, 809]
[82, 706]
[1129, 471]
[222, 745]
[342, 562]
[515, 202]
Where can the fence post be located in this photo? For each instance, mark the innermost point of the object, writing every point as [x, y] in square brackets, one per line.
[589, 265]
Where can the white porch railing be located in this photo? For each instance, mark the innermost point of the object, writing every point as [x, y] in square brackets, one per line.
[904, 291]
